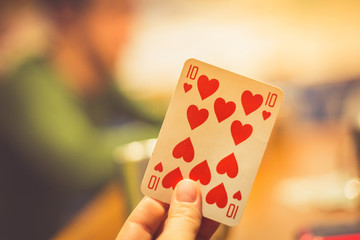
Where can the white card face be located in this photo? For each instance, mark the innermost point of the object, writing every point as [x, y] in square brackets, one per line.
[215, 132]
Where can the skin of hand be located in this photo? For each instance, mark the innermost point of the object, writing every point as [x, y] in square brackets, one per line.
[152, 219]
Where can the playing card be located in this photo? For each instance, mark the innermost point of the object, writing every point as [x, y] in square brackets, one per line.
[215, 132]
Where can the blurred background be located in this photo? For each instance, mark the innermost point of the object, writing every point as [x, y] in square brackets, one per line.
[85, 84]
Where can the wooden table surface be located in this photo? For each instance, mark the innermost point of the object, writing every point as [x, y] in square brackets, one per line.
[292, 152]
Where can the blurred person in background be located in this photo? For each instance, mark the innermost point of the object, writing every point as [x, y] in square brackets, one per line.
[61, 116]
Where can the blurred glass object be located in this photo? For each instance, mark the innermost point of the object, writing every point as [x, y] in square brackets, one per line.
[131, 161]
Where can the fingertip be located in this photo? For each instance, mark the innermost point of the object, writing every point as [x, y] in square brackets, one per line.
[186, 191]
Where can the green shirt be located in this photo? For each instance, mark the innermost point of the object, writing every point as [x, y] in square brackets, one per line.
[55, 146]
[66, 139]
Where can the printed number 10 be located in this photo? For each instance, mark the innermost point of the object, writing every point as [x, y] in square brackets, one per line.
[271, 99]
[153, 182]
[192, 72]
[232, 211]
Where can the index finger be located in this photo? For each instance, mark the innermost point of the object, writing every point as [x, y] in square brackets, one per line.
[144, 221]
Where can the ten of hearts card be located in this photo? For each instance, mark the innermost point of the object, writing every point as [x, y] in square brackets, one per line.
[215, 132]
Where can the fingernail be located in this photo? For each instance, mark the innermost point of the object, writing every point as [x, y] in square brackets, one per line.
[186, 191]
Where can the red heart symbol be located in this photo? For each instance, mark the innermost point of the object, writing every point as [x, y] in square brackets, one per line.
[172, 178]
[228, 165]
[217, 195]
[207, 87]
[266, 115]
[223, 109]
[159, 167]
[249, 102]
[201, 172]
[239, 132]
[237, 195]
[185, 150]
[196, 117]
[187, 87]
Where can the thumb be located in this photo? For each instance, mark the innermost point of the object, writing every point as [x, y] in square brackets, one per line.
[184, 218]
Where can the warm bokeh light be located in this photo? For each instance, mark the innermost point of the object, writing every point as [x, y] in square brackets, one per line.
[302, 42]
[310, 172]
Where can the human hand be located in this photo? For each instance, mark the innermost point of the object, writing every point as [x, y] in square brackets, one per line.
[152, 219]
